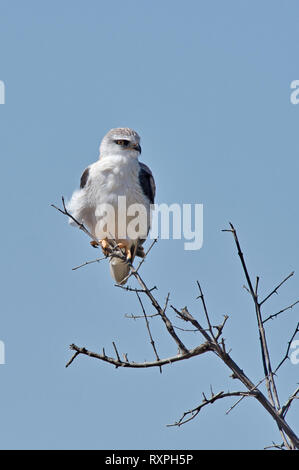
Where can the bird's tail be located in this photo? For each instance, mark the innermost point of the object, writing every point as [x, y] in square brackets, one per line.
[120, 269]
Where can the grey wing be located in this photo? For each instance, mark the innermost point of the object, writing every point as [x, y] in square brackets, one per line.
[79, 205]
[148, 186]
[84, 178]
[147, 182]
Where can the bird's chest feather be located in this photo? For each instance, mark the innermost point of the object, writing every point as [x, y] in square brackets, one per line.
[117, 177]
[114, 189]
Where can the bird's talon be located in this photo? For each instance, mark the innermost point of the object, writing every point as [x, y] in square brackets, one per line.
[105, 247]
[128, 253]
[94, 244]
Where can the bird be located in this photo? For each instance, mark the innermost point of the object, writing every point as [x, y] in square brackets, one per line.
[116, 176]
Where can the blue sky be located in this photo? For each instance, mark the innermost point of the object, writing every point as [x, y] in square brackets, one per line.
[207, 86]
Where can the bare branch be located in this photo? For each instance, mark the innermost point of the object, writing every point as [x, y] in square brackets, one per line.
[194, 412]
[191, 330]
[201, 297]
[160, 310]
[274, 315]
[132, 289]
[238, 401]
[233, 231]
[72, 358]
[135, 317]
[286, 356]
[80, 226]
[220, 327]
[145, 255]
[186, 315]
[256, 285]
[275, 446]
[274, 291]
[89, 262]
[201, 349]
[290, 400]
[116, 351]
[270, 382]
[271, 405]
[239, 373]
[149, 330]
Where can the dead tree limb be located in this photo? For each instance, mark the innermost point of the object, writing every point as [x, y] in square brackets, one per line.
[213, 342]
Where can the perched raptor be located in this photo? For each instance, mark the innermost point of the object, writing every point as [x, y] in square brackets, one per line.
[117, 177]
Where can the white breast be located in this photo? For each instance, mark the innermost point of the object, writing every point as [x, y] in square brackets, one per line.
[111, 178]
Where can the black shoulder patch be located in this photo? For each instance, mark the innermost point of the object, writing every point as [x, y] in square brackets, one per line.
[84, 178]
[145, 183]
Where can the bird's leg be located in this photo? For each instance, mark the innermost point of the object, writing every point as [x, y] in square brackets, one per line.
[126, 247]
[104, 245]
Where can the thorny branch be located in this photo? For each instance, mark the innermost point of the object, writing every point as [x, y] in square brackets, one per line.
[117, 362]
[287, 405]
[286, 356]
[274, 315]
[191, 414]
[214, 343]
[149, 330]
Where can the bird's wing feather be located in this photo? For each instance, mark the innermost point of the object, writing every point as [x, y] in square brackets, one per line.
[84, 178]
[147, 182]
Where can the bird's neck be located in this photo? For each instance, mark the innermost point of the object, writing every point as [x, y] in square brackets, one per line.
[120, 161]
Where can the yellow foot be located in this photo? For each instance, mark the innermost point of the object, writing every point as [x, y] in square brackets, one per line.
[105, 246]
[127, 250]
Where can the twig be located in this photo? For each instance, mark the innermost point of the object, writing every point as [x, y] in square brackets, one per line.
[287, 405]
[72, 359]
[146, 253]
[89, 262]
[194, 412]
[201, 349]
[149, 330]
[274, 315]
[186, 315]
[160, 310]
[201, 297]
[80, 225]
[132, 289]
[191, 330]
[274, 291]
[275, 446]
[270, 382]
[135, 317]
[288, 349]
[220, 327]
[116, 351]
[256, 286]
[238, 401]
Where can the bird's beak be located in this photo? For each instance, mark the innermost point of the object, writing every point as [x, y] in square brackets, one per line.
[137, 147]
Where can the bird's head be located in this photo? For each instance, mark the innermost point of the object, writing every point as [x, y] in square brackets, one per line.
[121, 141]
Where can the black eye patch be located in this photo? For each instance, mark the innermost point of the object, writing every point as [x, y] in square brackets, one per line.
[123, 142]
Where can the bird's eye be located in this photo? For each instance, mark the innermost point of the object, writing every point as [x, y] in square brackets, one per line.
[124, 143]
